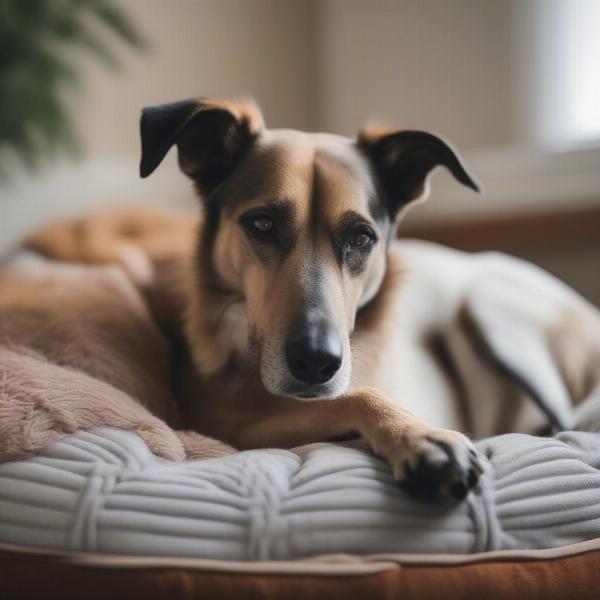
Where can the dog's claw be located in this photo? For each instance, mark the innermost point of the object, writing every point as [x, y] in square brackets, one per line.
[443, 477]
[459, 490]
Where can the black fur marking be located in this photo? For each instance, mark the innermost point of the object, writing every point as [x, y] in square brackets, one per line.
[355, 259]
[210, 140]
[442, 476]
[402, 161]
[207, 236]
[159, 128]
[278, 243]
[378, 206]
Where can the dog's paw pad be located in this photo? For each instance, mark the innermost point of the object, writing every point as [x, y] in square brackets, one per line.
[443, 472]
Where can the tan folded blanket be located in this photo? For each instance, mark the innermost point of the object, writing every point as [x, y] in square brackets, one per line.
[79, 349]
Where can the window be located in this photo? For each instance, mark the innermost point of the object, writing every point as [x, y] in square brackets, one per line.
[569, 94]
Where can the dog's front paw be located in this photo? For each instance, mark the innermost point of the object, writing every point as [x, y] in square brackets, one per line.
[437, 465]
[428, 462]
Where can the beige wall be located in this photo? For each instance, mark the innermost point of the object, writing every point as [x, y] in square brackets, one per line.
[461, 68]
[314, 64]
[198, 47]
[202, 47]
[430, 64]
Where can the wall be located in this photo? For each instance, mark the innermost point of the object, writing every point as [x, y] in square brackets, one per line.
[207, 47]
[316, 64]
[198, 47]
[429, 64]
[461, 68]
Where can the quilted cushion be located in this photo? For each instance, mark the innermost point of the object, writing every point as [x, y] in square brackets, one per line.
[104, 491]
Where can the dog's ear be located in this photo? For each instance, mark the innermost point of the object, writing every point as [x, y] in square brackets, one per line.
[210, 135]
[402, 160]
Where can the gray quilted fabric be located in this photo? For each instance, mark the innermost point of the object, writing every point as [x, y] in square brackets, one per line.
[103, 491]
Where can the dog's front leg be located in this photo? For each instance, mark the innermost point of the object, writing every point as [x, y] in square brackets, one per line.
[429, 462]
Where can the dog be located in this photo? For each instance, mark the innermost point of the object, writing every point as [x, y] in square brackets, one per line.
[303, 319]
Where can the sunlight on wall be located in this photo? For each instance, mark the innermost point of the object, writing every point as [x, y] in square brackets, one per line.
[570, 70]
[582, 26]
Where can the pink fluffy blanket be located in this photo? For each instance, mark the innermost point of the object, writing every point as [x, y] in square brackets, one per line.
[79, 349]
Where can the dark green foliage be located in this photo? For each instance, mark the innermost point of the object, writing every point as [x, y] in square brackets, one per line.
[39, 40]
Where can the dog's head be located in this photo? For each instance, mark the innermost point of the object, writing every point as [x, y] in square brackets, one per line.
[295, 232]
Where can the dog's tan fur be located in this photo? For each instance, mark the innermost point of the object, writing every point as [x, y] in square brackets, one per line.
[79, 349]
[92, 319]
[236, 308]
[123, 237]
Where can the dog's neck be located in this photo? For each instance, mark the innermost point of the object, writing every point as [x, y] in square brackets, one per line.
[215, 322]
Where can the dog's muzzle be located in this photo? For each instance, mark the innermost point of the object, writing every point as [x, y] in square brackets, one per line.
[314, 353]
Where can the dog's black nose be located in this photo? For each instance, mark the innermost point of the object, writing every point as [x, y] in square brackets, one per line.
[314, 354]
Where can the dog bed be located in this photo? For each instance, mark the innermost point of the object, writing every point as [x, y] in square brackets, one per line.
[246, 524]
[104, 492]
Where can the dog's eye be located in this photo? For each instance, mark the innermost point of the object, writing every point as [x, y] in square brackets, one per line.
[262, 224]
[361, 238]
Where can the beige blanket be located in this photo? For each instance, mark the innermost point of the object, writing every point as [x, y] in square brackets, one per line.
[79, 348]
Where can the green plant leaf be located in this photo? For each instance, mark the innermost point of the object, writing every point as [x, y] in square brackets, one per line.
[38, 39]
